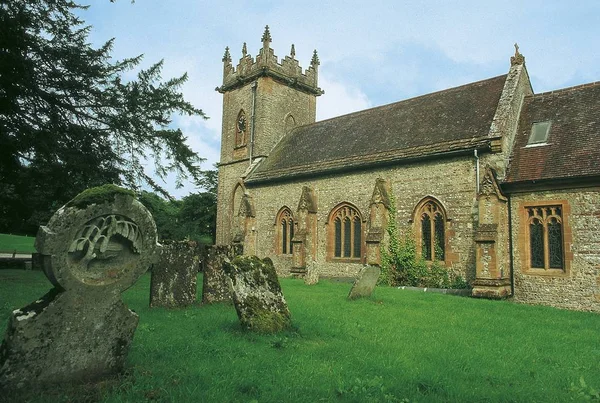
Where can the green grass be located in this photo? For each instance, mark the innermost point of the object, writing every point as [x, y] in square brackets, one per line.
[22, 244]
[397, 346]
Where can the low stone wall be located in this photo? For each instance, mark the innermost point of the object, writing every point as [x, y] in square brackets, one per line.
[15, 263]
[465, 292]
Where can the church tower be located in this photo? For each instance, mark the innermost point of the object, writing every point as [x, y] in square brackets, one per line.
[263, 100]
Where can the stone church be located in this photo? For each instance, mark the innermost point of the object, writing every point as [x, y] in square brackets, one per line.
[499, 184]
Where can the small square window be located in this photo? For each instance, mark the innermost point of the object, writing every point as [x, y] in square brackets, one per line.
[539, 133]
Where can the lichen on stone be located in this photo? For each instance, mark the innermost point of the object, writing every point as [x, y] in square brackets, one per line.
[263, 320]
[98, 195]
[257, 295]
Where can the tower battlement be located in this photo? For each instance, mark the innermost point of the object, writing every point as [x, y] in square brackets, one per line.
[266, 64]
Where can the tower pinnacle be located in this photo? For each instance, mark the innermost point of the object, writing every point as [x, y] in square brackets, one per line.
[266, 38]
[315, 59]
[244, 50]
[293, 51]
[227, 56]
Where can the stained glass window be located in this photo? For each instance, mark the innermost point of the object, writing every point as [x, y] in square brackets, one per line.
[357, 239]
[338, 237]
[347, 239]
[546, 237]
[426, 237]
[432, 232]
[439, 238]
[536, 240]
[291, 235]
[284, 234]
[555, 249]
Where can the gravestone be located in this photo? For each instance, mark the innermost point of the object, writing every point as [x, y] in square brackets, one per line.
[257, 295]
[312, 274]
[93, 248]
[173, 278]
[365, 282]
[216, 286]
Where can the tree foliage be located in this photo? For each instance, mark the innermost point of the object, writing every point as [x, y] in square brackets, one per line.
[69, 120]
[193, 217]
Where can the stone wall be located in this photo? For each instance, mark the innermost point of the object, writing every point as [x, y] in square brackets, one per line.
[451, 182]
[579, 286]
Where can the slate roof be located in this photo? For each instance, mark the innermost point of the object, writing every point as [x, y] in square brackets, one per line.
[572, 150]
[452, 120]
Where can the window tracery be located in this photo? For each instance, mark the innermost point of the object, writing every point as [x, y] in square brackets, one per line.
[285, 231]
[431, 231]
[545, 237]
[346, 238]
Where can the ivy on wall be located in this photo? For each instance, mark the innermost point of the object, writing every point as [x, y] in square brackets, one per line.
[401, 266]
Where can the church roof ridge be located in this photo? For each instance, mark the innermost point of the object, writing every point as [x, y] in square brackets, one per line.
[436, 121]
[414, 98]
[561, 91]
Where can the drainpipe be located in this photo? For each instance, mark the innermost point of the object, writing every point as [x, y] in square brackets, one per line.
[510, 249]
[252, 118]
[476, 170]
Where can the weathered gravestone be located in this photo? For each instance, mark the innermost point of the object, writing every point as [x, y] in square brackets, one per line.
[173, 278]
[216, 286]
[312, 274]
[94, 247]
[257, 296]
[365, 282]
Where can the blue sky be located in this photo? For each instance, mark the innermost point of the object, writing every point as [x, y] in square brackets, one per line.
[372, 53]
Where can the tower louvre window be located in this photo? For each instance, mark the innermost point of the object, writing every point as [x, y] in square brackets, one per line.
[241, 130]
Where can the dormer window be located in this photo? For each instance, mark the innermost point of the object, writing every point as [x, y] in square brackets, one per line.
[539, 133]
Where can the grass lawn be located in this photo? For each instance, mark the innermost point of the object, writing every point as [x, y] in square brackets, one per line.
[22, 244]
[397, 346]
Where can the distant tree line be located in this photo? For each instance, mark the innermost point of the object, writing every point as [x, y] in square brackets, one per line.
[193, 217]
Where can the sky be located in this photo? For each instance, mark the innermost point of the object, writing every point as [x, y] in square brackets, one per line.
[372, 53]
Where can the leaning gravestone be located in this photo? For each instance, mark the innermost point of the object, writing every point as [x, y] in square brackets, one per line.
[173, 278]
[257, 296]
[94, 247]
[216, 286]
[365, 282]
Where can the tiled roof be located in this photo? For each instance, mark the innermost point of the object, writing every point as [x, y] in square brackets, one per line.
[572, 149]
[445, 121]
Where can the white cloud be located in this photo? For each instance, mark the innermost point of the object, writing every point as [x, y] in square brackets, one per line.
[401, 49]
[339, 99]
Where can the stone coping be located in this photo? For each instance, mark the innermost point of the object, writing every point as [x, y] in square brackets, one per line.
[451, 291]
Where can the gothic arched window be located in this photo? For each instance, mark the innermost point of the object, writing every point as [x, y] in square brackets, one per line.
[346, 239]
[241, 129]
[545, 237]
[285, 231]
[431, 230]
